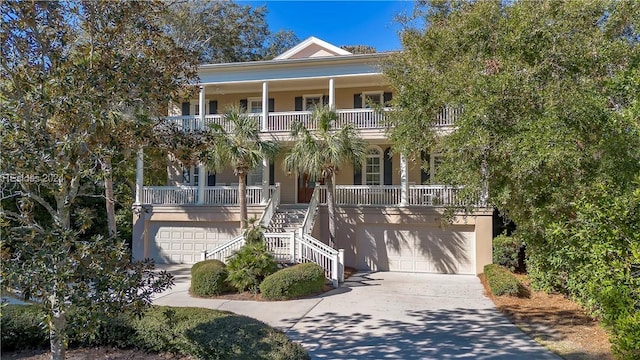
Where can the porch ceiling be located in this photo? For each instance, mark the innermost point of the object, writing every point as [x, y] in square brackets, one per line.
[362, 80]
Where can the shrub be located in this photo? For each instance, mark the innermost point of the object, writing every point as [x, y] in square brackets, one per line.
[296, 281]
[198, 333]
[249, 266]
[209, 278]
[22, 328]
[502, 281]
[506, 251]
[626, 337]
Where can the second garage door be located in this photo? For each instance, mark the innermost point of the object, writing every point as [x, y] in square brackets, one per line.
[416, 249]
[177, 243]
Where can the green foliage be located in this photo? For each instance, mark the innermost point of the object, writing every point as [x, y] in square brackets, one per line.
[225, 31]
[200, 333]
[249, 266]
[209, 278]
[626, 337]
[294, 282]
[506, 251]
[551, 130]
[22, 328]
[502, 281]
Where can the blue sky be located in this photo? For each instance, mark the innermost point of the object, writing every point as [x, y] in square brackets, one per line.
[339, 22]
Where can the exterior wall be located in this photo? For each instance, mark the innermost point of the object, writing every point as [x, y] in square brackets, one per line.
[350, 220]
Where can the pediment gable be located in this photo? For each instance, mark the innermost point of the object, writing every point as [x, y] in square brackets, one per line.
[310, 48]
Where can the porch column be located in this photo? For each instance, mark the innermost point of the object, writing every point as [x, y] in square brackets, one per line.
[265, 180]
[332, 94]
[201, 108]
[202, 182]
[139, 176]
[265, 106]
[404, 183]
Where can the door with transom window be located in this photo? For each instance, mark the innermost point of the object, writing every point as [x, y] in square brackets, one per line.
[305, 187]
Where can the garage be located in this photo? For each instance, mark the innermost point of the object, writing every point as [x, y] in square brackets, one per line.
[183, 243]
[416, 248]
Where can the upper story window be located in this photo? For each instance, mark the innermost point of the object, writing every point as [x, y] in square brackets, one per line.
[311, 101]
[373, 166]
[371, 98]
[254, 105]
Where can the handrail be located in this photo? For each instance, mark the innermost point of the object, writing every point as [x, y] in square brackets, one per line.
[312, 250]
[271, 207]
[225, 249]
[328, 249]
[312, 209]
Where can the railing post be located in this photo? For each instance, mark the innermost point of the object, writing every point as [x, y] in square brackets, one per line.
[202, 181]
[203, 256]
[265, 106]
[334, 270]
[292, 240]
[404, 191]
[139, 176]
[341, 267]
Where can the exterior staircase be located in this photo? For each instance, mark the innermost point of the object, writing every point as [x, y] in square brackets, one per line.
[287, 218]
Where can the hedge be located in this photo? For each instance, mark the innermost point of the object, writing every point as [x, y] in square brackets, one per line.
[209, 278]
[502, 281]
[199, 333]
[296, 281]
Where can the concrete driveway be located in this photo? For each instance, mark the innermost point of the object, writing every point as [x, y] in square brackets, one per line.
[386, 316]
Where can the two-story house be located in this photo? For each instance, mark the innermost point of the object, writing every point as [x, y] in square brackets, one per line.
[389, 211]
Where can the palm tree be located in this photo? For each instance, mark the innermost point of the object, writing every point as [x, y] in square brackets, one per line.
[321, 153]
[241, 148]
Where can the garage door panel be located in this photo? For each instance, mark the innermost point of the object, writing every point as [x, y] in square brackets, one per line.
[416, 249]
[175, 242]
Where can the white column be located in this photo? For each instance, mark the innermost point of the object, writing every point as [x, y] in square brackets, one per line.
[332, 94]
[265, 105]
[202, 182]
[201, 106]
[265, 180]
[404, 183]
[139, 176]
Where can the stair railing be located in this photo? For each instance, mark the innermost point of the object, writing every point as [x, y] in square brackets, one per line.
[312, 210]
[225, 250]
[330, 259]
[271, 207]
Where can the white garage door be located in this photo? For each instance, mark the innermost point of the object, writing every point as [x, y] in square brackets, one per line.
[416, 249]
[175, 242]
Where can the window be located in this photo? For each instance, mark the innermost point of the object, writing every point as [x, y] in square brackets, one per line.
[369, 98]
[190, 175]
[254, 105]
[254, 177]
[311, 101]
[373, 167]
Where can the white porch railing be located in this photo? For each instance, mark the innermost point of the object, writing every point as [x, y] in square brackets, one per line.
[282, 246]
[170, 195]
[272, 206]
[375, 195]
[188, 195]
[360, 118]
[282, 121]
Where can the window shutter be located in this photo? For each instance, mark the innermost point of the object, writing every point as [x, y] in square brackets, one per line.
[425, 176]
[325, 100]
[298, 103]
[211, 178]
[272, 173]
[272, 104]
[243, 104]
[388, 167]
[357, 101]
[357, 176]
[185, 108]
[387, 98]
[213, 108]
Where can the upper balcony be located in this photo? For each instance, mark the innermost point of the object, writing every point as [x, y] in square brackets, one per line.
[278, 124]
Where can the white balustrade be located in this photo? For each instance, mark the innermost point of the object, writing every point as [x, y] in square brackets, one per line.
[224, 251]
[185, 195]
[272, 205]
[360, 118]
[368, 194]
[282, 121]
[448, 116]
[281, 245]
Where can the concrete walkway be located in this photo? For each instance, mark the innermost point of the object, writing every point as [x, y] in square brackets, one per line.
[385, 316]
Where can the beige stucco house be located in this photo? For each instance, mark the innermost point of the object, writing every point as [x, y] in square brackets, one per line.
[389, 211]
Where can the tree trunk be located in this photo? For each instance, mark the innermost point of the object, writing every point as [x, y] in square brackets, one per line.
[331, 209]
[242, 199]
[108, 194]
[57, 331]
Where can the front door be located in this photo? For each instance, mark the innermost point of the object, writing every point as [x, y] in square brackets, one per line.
[305, 188]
